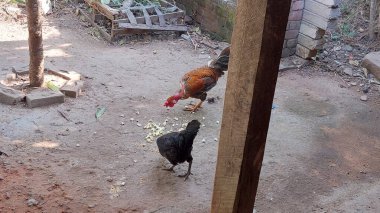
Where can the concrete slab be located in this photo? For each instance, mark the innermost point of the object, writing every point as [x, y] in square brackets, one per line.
[310, 43]
[44, 97]
[304, 52]
[319, 21]
[322, 9]
[311, 30]
[330, 3]
[10, 96]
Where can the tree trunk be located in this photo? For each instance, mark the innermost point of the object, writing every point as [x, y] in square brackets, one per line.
[372, 19]
[36, 52]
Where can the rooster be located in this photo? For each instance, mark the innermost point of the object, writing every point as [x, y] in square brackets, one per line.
[177, 146]
[198, 82]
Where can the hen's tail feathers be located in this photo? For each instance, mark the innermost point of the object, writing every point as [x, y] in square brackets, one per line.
[221, 62]
[193, 126]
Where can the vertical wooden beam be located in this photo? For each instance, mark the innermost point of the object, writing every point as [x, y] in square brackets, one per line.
[255, 56]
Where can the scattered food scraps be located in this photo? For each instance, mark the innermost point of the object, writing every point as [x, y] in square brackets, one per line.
[155, 131]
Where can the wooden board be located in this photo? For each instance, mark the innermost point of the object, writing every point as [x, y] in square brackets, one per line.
[154, 18]
[107, 11]
[161, 17]
[148, 21]
[131, 17]
[153, 27]
[255, 57]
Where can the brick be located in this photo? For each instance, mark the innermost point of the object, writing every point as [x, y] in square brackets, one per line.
[372, 63]
[10, 96]
[293, 51]
[295, 15]
[298, 5]
[322, 10]
[291, 34]
[310, 43]
[44, 97]
[291, 43]
[311, 30]
[329, 3]
[319, 21]
[294, 25]
[72, 88]
[285, 52]
[304, 52]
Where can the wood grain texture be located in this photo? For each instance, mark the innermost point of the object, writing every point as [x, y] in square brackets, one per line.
[255, 56]
[36, 48]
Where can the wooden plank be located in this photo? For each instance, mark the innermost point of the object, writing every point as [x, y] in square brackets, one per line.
[147, 17]
[154, 18]
[153, 27]
[102, 31]
[131, 17]
[107, 11]
[255, 57]
[161, 17]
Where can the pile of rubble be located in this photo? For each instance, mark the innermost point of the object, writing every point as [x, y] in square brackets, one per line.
[58, 84]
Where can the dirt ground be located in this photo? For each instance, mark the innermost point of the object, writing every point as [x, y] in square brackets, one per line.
[322, 154]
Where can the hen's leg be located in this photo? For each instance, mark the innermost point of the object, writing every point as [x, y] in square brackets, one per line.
[188, 171]
[170, 169]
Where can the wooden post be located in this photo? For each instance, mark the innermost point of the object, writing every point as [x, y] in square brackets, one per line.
[255, 56]
[372, 19]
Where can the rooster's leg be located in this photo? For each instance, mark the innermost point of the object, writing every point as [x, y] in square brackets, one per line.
[188, 171]
[170, 169]
[194, 108]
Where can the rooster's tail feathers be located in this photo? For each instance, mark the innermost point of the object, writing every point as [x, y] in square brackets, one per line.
[221, 62]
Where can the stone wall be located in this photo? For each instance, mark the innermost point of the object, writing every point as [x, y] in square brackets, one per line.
[214, 16]
[308, 21]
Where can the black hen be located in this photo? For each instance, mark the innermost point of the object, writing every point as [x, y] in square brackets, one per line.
[177, 146]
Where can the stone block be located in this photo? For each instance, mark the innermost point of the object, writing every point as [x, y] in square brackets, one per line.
[329, 3]
[304, 52]
[291, 34]
[310, 43]
[319, 21]
[293, 25]
[372, 63]
[44, 97]
[295, 15]
[10, 96]
[285, 52]
[311, 30]
[72, 88]
[291, 43]
[322, 10]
